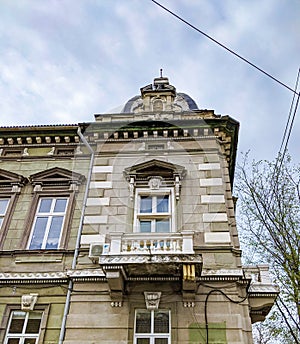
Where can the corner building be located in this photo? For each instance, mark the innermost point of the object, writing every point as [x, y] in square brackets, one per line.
[157, 257]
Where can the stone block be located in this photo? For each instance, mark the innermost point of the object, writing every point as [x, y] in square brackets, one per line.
[217, 238]
[215, 217]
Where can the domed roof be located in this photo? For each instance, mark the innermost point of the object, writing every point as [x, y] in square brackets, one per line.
[161, 91]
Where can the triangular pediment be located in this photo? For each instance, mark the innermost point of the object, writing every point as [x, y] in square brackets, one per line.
[56, 175]
[155, 167]
[8, 178]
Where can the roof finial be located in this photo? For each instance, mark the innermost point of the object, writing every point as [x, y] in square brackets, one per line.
[161, 72]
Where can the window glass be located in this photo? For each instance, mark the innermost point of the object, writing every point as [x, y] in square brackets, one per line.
[146, 204]
[163, 204]
[60, 205]
[143, 341]
[161, 322]
[3, 205]
[54, 232]
[145, 226]
[162, 226]
[13, 341]
[38, 233]
[17, 322]
[33, 323]
[45, 205]
[161, 341]
[143, 322]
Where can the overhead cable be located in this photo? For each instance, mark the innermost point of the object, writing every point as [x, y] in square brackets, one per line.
[224, 47]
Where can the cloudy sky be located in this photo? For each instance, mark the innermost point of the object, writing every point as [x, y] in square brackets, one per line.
[62, 61]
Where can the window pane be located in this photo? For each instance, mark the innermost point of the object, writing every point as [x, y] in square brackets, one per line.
[33, 324]
[146, 204]
[30, 340]
[1, 220]
[161, 322]
[162, 226]
[13, 341]
[60, 205]
[143, 341]
[17, 322]
[143, 322]
[3, 206]
[163, 204]
[145, 226]
[45, 205]
[54, 232]
[161, 341]
[38, 233]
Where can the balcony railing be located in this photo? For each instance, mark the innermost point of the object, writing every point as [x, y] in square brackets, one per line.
[151, 243]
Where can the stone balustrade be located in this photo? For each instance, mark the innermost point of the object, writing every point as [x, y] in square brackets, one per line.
[152, 243]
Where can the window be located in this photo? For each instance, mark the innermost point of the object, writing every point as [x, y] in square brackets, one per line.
[152, 327]
[23, 327]
[3, 208]
[153, 211]
[48, 223]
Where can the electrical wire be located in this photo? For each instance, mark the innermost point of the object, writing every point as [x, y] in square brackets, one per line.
[206, 304]
[224, 47]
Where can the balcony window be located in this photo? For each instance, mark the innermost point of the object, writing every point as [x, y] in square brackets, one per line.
[152, 327]
[153, 211]
[23, 327]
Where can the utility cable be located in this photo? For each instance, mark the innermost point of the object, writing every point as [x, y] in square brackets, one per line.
[206, 304]
[224, 47]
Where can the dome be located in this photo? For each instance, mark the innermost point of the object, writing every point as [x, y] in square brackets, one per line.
[160, 96]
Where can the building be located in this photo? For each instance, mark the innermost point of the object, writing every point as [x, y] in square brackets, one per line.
[123, 230]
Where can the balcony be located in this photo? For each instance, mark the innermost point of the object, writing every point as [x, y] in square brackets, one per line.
[151, 243]
[262, 292]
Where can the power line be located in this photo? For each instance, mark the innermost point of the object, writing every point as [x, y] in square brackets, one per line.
[224, 47]
[290, 121]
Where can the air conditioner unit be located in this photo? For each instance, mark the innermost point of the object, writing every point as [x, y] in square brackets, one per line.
[97, 249]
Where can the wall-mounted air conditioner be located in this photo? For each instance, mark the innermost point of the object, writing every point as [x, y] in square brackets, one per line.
[97, 249]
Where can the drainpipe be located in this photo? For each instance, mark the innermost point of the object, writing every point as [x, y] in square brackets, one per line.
[77, 246]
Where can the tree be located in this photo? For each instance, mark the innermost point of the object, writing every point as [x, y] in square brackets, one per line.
[269, 221]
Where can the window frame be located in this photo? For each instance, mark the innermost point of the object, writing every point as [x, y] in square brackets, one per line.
[44, 308]
[49, 215]
[22, 335]
[65, 231]
[154, 216]
[152, 335]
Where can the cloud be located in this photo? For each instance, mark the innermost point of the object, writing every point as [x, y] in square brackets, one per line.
[58, 68]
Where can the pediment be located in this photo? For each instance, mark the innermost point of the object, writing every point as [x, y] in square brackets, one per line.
[8, 178]
[155, 167]
[55, 176]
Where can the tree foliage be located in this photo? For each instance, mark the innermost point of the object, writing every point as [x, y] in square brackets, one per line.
[269, 221]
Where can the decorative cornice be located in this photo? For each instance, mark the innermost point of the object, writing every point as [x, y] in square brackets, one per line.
[33, 277]
[143, 259]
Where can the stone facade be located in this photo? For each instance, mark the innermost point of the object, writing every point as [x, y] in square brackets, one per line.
[149, 251]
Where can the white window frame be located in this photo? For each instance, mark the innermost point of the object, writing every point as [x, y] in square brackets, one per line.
[3, 214]
[23, 335]
[152, 336]
[50, 216]
[153, 216]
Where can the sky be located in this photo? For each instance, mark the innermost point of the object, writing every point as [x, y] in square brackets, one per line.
[62, 61]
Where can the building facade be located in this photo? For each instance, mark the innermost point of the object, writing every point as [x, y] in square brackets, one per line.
[123, 230]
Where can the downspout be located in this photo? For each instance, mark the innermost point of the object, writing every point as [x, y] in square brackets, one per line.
[77, 246]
